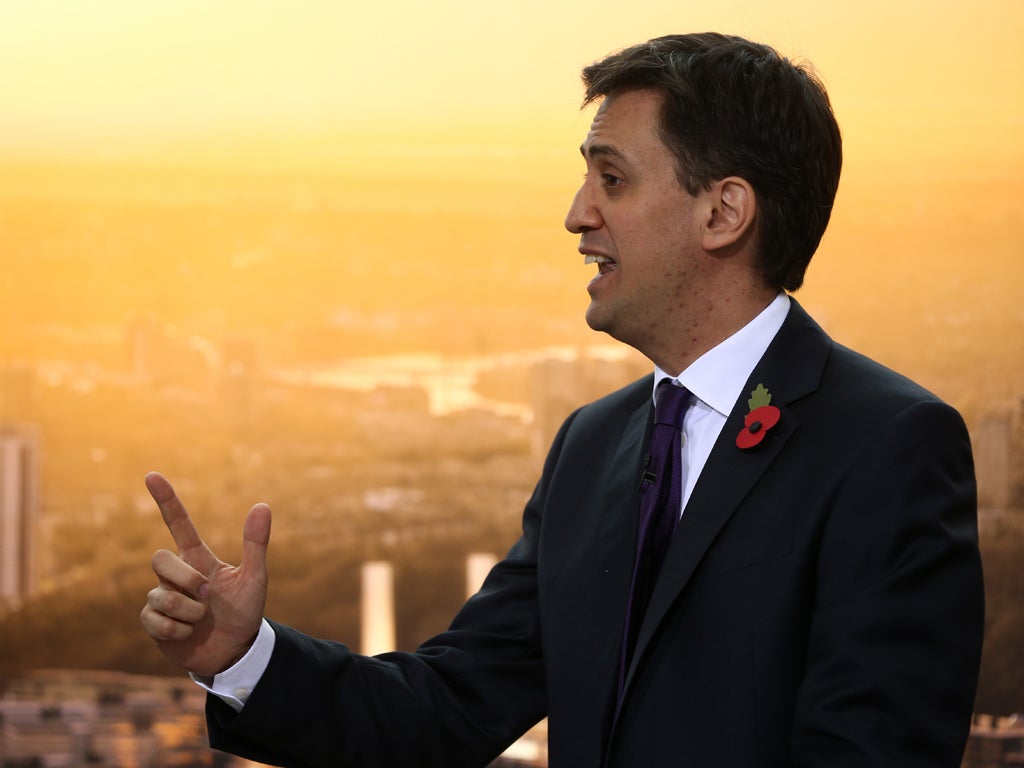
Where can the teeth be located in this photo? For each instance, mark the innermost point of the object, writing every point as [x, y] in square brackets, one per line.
[592, 259]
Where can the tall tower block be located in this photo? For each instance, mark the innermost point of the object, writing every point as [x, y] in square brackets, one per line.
[19, 482]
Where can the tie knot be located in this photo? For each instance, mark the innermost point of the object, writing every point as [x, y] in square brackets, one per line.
[670, 403]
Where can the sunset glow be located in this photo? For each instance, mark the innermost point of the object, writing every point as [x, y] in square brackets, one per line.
[312, 253]
[230, 166]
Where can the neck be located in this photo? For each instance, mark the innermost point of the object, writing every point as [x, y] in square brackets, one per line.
[721, 316]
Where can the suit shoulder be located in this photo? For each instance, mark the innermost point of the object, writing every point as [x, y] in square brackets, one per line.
[610, 412]
[872, 379]
[628, 398]
[857, 390]
[815, 362]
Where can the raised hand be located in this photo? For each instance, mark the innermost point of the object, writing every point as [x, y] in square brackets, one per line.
[205, 613]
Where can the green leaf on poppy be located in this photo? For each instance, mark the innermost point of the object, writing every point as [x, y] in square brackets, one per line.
[759, 397]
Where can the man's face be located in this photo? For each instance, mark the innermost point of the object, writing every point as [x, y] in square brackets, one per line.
[642, 228]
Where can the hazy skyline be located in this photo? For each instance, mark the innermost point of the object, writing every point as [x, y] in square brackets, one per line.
[213, 164]
[301, 184]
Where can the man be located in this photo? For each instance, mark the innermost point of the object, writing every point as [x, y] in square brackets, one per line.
[820, 602]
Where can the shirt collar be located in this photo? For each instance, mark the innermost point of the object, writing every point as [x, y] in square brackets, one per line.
[718, 376]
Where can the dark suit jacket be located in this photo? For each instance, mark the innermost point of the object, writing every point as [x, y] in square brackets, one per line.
[821, 604]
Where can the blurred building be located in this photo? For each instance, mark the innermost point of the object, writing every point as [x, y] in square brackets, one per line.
[17, 390]
[19, 484]
[378, 608]
[240, 375]
[96, 719]
[559, 386]
[995, 742]
[992, 439]
[163, 356]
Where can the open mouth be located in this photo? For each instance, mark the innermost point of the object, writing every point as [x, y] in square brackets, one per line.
[604, 263]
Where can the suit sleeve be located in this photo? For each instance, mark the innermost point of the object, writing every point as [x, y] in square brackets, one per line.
[459, 700]
[896, 631]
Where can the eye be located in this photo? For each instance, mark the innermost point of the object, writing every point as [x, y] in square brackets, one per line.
[610, 180]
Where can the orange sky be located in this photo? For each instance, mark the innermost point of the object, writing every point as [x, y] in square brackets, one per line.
[478, 101]
[942, 78]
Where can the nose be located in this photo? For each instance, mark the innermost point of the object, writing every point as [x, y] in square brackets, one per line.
[583, 214]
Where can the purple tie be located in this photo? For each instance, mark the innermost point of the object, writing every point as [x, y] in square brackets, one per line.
[660, 500]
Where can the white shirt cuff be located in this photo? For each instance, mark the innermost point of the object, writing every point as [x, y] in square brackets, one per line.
[234, 685]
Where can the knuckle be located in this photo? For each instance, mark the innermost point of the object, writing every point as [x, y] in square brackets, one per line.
[158, 627]
[161, 600]
[156, 600]
[167, 629]
[168, 602]
[163, 632]
[174, 605]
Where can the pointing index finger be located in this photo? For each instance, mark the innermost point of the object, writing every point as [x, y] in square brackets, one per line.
[190, 545]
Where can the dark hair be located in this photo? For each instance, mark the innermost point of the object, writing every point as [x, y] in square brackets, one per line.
[736, 108]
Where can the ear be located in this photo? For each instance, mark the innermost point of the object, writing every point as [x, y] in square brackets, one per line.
[731, 213]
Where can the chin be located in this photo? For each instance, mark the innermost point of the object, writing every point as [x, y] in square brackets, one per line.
[602, 323]
[594, 319]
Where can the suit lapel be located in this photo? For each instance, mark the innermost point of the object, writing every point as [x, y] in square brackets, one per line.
[623, 490]
[617, 544]
[791, 369]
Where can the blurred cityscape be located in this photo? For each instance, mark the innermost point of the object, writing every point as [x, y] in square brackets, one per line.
[417, 462]
[391, 401]
[414, 461]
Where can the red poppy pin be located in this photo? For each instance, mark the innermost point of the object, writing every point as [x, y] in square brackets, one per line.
[762, 417]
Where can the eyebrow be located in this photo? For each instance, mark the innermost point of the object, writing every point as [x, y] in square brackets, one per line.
[601, 150]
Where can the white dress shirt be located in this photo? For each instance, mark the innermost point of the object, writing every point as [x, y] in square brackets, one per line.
[716, 380]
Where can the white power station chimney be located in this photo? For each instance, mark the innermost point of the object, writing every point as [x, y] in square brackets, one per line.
[478, 565]
[378, 608]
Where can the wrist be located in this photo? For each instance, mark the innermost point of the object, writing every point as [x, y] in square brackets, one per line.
[236, 683]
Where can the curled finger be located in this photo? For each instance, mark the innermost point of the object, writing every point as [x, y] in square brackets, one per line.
[173, 572]
[163, 628]
[175, 605]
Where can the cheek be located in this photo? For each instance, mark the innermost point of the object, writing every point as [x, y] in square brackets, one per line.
[654, 238]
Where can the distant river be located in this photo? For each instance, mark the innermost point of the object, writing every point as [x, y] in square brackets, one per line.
[448, 381]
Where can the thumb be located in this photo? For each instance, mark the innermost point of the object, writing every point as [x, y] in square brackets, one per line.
[255, 539]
